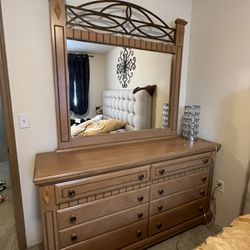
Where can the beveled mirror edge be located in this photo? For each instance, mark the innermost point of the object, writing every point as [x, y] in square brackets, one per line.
[60, 33]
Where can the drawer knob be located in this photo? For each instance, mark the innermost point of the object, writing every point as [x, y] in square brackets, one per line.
[140, 198]
[73, 237]
[71, 193]
[159, 225]
[139, 233]
[202, 192]
[141, 177]
[201, 209]
[205, 161]
[161, 191]
[161, 171]
[204, 178]
[160, 207]
[139, 215]
[72, 219]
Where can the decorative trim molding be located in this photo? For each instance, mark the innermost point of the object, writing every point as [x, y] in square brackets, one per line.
[58, 11]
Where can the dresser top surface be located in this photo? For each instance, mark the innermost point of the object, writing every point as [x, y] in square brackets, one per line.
[53, 167]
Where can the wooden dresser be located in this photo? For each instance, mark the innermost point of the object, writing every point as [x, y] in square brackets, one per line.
[128, 196]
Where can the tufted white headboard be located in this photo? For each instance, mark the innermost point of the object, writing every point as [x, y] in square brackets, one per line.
[134, 109]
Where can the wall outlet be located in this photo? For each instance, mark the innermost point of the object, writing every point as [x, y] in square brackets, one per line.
[221, 186]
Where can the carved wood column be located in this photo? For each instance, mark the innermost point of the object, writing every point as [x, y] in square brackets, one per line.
[49, 220]
[176, 74]
[58, 31]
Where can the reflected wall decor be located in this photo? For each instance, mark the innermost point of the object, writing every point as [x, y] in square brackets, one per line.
[125, 66]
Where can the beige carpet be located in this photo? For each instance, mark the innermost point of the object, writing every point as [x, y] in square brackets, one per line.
[8, 240]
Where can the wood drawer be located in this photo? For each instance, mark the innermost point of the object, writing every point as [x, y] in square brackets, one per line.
[115, 239]
[82, 213]
[68, 191]
[173, 217]
[161, 205]
[179, 184]
[102, 225]
[171, 167]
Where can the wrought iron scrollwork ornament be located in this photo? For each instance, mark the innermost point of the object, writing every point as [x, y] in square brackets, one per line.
[125, 66]
[119, 17]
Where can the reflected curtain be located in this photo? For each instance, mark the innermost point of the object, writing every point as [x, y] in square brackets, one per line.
[78, 67]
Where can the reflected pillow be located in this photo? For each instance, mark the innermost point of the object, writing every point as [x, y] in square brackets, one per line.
[104, 126]
[77, 129]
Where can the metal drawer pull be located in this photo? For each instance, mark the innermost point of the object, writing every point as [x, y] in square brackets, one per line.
[204, 178]
[139, 233]
[205, 161]
[140, 198]
[73, 237]
[141, 177]
[139, 215]
[72, 219]
[161, 191]
[161, 171]
[159, 225]
[201, 209]
[71, 193]
[160, 207]
[202, 192]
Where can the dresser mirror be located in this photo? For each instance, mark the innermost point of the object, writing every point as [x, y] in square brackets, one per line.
[109, 76]
[129, 95]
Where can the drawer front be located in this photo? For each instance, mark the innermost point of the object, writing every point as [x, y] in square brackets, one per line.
[167, 168]
[161, 205]
[179, 184]
[115, 239]
[177, 215]
[99, 226]
[82, 213]
[76, 189]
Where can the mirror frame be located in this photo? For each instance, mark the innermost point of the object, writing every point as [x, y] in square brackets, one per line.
[60, 33]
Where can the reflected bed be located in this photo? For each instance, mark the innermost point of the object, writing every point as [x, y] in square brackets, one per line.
[122, 111]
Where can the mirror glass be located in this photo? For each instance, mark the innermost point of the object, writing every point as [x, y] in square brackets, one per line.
[115, 89]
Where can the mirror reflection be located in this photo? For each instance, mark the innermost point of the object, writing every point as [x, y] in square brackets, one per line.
[115, 89]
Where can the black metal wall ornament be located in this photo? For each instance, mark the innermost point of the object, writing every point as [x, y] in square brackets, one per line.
[125, 66]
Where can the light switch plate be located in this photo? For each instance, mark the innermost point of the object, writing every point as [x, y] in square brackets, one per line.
[24, 120]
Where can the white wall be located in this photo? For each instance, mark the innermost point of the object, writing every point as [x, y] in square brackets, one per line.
[28, 42]
[151, 69]
[219, 80]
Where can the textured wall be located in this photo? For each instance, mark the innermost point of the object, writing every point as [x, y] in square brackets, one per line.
[219, 80]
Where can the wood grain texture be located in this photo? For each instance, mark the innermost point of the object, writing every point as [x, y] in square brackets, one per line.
[114, 240]
[177, 199]
[64, 166]
[179, 184]
[183, 191]
[93, 185]
[175, 216]
[58, 35]
[49, 218]
[102, 225]
[11, 141]
[102, 207]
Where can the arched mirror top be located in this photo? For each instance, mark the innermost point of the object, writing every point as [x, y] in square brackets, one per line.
[116, 23]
